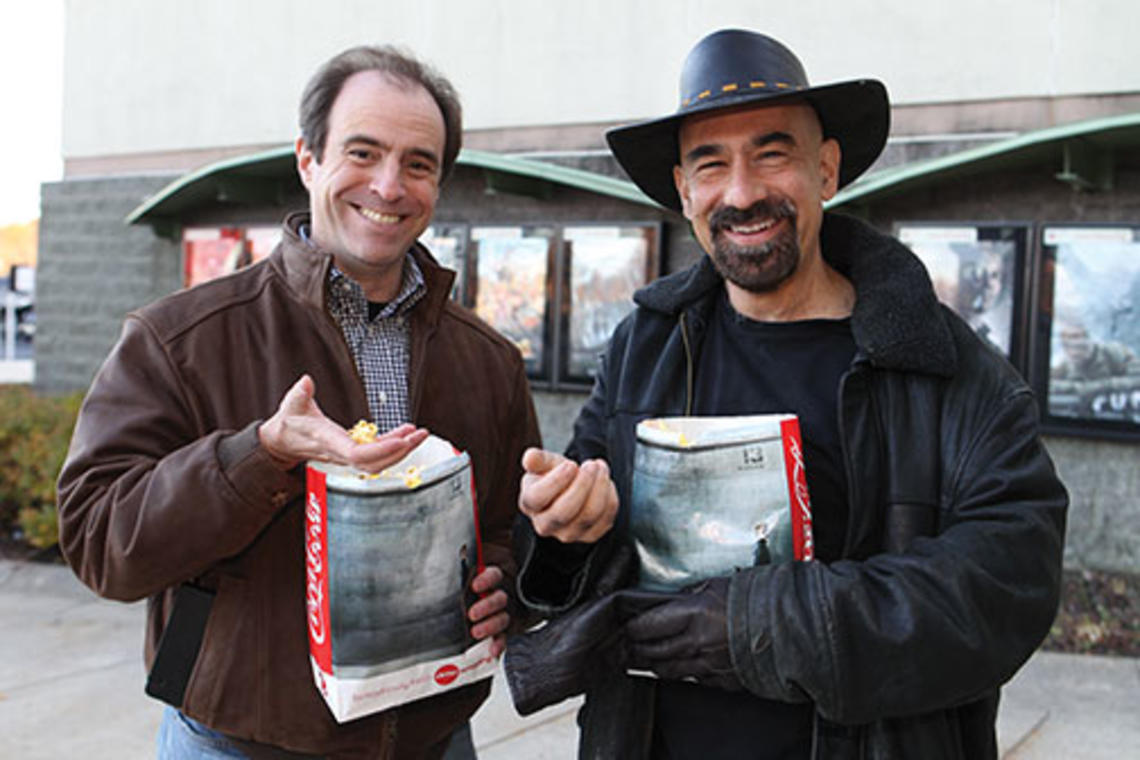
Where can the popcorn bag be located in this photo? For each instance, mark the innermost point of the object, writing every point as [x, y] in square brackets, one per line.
[388, 559]
[712, 494]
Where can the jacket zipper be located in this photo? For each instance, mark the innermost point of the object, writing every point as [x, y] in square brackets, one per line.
[689, 369]
[848, 468]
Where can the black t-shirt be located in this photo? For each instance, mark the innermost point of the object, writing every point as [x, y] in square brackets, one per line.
[749, 367]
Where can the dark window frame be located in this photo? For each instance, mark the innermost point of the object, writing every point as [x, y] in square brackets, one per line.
[1113, 403]
[551, 370]
[1021, 235]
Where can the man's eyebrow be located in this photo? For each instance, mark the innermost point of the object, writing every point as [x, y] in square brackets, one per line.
[424, 153]
[759, 141]
[359, 139]
[702, 151]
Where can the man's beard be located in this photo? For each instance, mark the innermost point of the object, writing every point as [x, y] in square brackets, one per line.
[762, 268]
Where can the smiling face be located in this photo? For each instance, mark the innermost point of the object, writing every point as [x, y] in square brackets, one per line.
[752, 183]
[373, 191]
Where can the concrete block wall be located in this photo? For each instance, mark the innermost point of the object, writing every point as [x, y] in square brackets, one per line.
[93, 268]
[556, 414]
[1104, 509]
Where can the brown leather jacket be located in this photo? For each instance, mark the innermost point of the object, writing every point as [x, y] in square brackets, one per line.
[165, 481]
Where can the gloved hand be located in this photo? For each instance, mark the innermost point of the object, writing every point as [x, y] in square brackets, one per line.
[551, 663]
[686, 639]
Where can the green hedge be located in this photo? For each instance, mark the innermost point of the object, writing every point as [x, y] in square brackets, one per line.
[34, 433]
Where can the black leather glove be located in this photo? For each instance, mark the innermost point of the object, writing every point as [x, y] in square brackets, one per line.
[556, 661]
[686, 639]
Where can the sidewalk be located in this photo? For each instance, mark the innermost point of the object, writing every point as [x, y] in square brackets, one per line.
[71, 679]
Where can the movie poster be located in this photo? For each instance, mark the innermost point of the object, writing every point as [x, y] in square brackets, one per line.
[974, 274]
[1094, 330]
[607, 264]
[211, 252]
[260, 241]
[511, 287]
[446, 246]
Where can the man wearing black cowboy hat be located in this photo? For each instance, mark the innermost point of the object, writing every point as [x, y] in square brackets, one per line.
[938, 518]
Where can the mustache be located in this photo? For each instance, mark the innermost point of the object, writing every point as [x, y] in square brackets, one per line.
[766, 208]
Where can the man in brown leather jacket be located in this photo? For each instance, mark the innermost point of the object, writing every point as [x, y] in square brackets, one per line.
[187, 459]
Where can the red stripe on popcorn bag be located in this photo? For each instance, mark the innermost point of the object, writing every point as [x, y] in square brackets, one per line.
[799, 498]
[479, 564]
[316, 569]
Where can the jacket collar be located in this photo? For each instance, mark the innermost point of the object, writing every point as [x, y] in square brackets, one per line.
[897, 323]
[305, 266]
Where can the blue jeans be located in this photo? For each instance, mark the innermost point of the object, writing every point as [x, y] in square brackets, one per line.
[462, 747]
[183, 738]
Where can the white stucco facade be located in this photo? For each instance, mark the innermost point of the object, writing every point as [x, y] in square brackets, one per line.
[168, 75]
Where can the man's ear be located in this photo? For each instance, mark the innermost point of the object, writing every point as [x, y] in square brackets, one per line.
[305, 161]
[830, 156]
[681, 182]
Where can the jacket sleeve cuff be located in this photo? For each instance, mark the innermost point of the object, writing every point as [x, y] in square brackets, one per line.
[553, 574]
[254, 475]
[749, 637]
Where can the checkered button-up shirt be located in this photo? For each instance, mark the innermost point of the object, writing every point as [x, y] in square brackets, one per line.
[380, 345]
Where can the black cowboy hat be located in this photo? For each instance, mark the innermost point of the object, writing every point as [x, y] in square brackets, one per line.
[734, 67]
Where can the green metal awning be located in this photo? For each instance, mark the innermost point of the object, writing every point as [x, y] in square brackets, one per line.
[1082, 153]
[271, 176]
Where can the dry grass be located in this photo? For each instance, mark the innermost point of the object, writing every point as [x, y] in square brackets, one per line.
[1100, 614]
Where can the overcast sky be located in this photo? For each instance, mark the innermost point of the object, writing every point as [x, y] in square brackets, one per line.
[31, 96]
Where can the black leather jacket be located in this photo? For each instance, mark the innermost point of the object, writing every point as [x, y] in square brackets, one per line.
[950, 571]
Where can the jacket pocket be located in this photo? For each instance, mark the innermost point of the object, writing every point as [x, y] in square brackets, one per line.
[224, 683]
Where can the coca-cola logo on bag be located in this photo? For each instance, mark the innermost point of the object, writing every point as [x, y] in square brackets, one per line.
[800, 494]
[446, 674]
[314, 568]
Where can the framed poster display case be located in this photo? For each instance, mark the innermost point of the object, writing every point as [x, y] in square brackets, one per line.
[978, 270]
[512, 288]
[1086, 350]
[603, 264]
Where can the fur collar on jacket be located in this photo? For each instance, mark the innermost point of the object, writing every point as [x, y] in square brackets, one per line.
[897, 323]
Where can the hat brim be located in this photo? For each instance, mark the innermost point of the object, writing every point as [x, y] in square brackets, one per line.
[857, 114]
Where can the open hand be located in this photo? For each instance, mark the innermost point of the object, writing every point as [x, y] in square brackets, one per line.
[299, 431]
